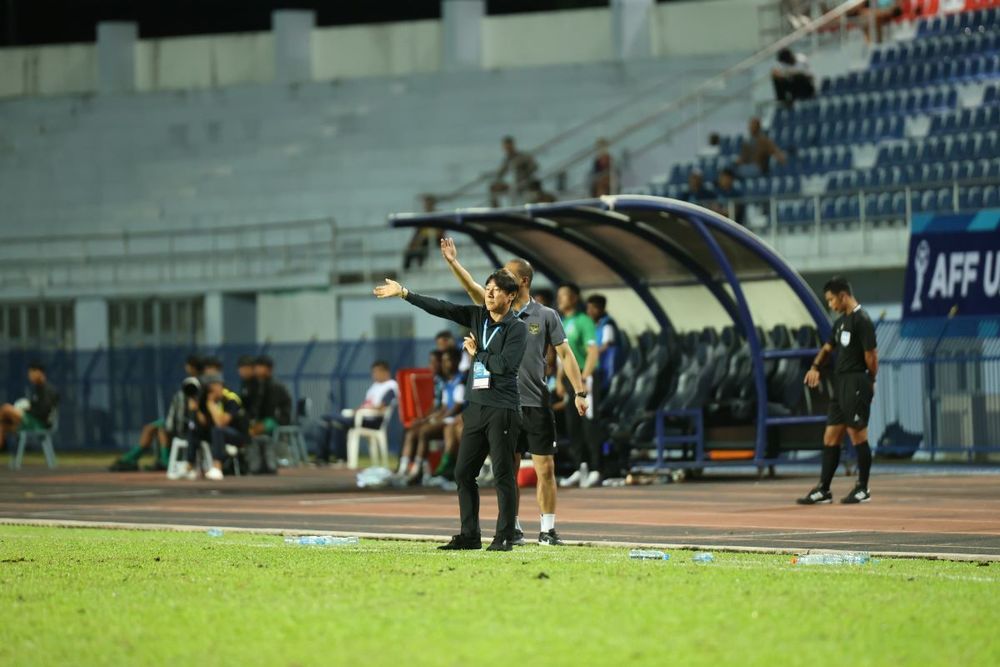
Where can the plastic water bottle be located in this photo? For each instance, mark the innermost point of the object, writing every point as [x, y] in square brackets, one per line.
[214, 532]
[321, 540]
[647, 554]
[703, 557]
[857, 558]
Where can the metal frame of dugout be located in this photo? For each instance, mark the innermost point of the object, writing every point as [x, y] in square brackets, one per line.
[649, 245]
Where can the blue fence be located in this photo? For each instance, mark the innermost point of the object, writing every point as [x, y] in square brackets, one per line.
[938, 389]
[106, 396]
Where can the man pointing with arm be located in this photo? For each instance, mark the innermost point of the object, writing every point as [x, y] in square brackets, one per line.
[544, 328]
[493, 418]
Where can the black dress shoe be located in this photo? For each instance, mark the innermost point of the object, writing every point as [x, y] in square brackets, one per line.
[500, 544]
[463, 542]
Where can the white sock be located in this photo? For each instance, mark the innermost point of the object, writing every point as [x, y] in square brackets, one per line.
[404, 464]
[517, 524]
[583, 469]
[548, 522]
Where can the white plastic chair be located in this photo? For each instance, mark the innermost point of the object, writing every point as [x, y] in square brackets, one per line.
[378, 438]
[295, 443]
[177, 444]
[44, 438]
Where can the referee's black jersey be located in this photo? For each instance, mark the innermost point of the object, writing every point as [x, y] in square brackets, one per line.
[853, 335]
[502, 357]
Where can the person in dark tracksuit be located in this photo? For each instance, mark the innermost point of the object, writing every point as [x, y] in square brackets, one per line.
[493, 417]
[853, 390]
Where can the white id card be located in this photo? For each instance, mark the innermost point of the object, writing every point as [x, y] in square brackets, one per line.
[480, 376]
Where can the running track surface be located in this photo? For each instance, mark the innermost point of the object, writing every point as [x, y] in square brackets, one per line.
[942, 514]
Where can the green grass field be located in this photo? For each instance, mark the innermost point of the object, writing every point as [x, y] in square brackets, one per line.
[97, 597]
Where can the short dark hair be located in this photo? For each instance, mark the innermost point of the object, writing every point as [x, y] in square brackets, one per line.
[444, 334]
[380, 363]
[264, 360]
[836, 285]
[728, 172]
[195, 362]
[36, 366]
[437, 354]
[786, 56]
[507, 139]
[524, 269]
[454, 355]
[504, 280]
[598, 300]
[572, 287]
[245, 360]
[211, 361]
[545, 293]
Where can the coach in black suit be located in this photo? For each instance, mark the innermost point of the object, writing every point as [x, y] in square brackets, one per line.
[493, 417]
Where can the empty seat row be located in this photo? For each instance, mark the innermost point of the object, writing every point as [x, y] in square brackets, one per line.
[884, 205]
[964, 120]
[867, 105]
[973, 68]
[973, 21]
[931, 48]
[915, 174]
[959, 146]
[815, 161]
[857, 130]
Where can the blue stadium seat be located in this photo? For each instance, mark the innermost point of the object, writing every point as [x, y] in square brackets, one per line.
[991, 196]
[994, 170]
[828, 209]
[924, 201]
[971, 198]
[945, 200]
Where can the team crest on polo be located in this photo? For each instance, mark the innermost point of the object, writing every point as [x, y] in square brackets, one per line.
[845, 338]
[534, 328]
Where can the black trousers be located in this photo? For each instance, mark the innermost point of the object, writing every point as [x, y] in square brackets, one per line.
[219, 437]
[584, 434]
[494, 432]
[795, 87]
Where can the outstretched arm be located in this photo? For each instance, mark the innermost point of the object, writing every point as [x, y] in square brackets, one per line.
[450, 311]
[474, 289]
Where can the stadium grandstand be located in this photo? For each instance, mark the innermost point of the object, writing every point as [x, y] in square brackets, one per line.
[724, 203]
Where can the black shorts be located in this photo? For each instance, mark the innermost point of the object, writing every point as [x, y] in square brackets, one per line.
[852, 401]
[538, 432]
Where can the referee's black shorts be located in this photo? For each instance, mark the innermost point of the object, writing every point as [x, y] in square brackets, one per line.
[852, 400]
[538, 432]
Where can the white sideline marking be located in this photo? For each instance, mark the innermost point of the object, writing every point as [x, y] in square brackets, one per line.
[100, 494]
[360, 499]
[186, 528]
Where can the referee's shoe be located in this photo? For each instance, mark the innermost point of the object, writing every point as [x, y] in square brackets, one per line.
[818, 496]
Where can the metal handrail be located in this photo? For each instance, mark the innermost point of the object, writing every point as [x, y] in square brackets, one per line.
[672, 106]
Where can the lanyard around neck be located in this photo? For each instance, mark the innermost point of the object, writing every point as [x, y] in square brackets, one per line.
[487, 341]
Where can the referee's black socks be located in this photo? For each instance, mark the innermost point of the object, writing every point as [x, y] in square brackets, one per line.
[864, 463]
[831, 458]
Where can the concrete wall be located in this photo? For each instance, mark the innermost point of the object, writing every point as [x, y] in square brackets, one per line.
[291, 317]
[581, 36]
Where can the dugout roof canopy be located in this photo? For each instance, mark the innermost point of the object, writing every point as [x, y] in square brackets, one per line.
[646, 245]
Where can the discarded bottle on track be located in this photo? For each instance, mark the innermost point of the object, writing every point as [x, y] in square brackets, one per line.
[321, 540]
[855, 558]
[648, 554]
[214, 532]
[703, 557]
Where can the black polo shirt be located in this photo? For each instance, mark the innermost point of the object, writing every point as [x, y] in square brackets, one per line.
[853, 335]
[502, 357]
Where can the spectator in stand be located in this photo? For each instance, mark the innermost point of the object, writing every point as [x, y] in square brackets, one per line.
[601, 170]
[35, 412]
[448, 402]
[219, 418]
[792, 78]
[380, 395]
[697, 192]
[420, 243]
[522, 167]
[273, 409]
[714, 146]
[161, 431]
[757, 151]
[884, 11]
[537, 194]
[727, 194]
[608, 344]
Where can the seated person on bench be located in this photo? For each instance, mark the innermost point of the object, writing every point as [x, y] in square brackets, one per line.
[219, 419]
[33, 413]
[379, 396]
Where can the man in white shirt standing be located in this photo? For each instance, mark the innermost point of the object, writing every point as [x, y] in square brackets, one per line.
[379, 396]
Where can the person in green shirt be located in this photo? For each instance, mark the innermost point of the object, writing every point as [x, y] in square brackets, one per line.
[585, 436]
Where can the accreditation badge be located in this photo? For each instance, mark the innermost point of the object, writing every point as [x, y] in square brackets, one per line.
[480, 376]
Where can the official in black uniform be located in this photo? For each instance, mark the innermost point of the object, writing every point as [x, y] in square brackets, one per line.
[854, 375]
[493, 417]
